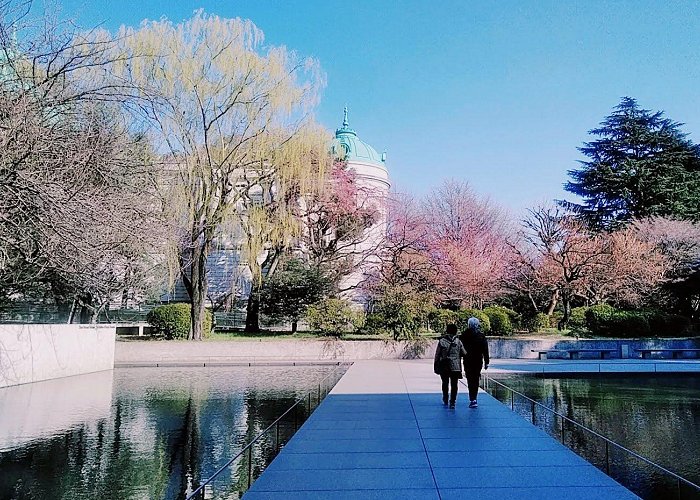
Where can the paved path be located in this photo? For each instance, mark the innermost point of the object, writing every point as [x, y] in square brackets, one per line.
[383, 433]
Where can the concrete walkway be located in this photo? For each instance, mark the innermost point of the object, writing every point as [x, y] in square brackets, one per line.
[383, 433]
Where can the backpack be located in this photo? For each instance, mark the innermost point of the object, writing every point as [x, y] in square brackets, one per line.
[444, 362]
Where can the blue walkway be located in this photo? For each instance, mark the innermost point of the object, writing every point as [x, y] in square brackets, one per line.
[383, 433]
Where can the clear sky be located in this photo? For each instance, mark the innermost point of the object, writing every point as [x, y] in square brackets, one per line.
[496, 92]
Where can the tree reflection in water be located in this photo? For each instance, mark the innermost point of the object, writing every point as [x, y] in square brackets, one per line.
[168, 428]
[657, 416]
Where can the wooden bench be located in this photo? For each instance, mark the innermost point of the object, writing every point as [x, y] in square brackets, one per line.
[675, 353]
[573, 353]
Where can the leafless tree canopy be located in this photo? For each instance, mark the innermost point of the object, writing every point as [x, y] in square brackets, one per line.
[77, 213]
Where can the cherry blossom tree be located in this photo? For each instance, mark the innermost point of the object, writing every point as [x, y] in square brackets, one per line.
[562, 256]
[679, 242]
[336, 227]
[467, 243]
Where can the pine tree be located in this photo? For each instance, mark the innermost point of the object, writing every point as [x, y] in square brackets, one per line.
[641, 165]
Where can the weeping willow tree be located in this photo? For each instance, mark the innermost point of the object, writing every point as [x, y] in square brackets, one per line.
[233, 122]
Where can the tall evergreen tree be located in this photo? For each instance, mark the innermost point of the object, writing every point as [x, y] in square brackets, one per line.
[640, 165]
[288, 293]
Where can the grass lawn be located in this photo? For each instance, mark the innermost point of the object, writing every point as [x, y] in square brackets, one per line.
[302, 335]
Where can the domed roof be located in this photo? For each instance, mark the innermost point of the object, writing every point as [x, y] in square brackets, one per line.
[347, 146]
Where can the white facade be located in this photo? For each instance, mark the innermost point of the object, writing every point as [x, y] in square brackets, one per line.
[373, 184]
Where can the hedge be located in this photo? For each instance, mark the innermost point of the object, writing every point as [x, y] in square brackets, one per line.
[538, 323]
[440, 318]
[333, 317]
[463, 316]
[174, 320]
[607, 321]
[503, 320]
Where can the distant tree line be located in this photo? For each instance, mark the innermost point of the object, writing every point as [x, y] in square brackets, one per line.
[633, 242]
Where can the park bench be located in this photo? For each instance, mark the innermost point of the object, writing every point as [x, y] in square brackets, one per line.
[675, 353]
[572, 353]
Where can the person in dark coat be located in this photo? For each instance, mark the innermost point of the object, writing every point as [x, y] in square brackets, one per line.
[477, 357]
[448, 357]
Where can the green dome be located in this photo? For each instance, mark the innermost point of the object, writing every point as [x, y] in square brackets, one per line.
[347, 146]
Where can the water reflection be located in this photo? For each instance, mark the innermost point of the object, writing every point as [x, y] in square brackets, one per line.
[140, 432]
[655, 416]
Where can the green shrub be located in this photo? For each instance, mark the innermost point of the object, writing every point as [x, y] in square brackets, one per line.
[606, 321]
[375, 325]
[597, 317]
[440, 318]
[463, 316]
[515, 317]
[538, 322]
[577, 320]
[663, 324]
[173, 320]
[628, 324]
[499, 320]
[333, 317]
[555, 318]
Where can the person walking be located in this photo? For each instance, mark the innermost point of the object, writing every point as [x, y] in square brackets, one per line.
[477, 348]
[448, 356]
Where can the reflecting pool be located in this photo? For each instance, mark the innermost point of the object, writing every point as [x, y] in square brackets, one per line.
[142, 433]
[657, 416]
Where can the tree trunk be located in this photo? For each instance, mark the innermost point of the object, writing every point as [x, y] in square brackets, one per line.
[198, 294]
[294, 326]
[73, 310]
[566, 303]
[553, 302]
[252, 317]
[88, 311]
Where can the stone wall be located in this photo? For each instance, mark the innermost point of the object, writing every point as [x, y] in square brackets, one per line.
[30, 353]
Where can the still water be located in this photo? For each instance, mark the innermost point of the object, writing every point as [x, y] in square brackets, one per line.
[656, 416]
[142, 433]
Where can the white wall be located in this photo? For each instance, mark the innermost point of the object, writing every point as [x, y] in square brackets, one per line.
[48, 408]
[30, 353]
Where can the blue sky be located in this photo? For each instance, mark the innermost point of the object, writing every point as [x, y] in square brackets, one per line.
[496, 92]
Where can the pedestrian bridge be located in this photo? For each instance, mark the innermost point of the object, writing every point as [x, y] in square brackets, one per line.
[383, 433]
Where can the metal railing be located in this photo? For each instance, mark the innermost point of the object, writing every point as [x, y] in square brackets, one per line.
[683, 487]
[307, 403]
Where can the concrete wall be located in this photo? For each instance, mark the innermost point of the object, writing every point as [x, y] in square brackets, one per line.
[248, 351]
[30, 353]
[151, 353]
[521, 348]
